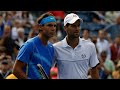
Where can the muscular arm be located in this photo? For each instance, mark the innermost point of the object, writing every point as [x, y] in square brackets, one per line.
[18, 70]
[94, 73]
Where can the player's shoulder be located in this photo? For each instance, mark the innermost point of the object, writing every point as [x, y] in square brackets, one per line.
[50, 44]
[33, 40]
[87, 42]
[29, 42]
[58, 44]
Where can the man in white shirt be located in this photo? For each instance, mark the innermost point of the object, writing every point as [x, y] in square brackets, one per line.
[86, 34]
[75, 56]
[102, 44]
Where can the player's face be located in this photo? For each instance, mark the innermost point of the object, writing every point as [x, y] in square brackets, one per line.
[49, 29]
[73, 30]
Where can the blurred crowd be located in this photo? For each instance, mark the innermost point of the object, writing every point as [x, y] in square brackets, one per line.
[100, 27]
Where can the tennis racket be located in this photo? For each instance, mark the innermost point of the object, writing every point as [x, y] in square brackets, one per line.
[42, 72]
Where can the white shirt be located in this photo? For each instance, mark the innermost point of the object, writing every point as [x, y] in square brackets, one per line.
[103, 46]
[75, 63]
[87, 39]
[14, 33]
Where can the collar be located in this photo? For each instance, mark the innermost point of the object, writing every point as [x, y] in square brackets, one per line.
[65, 44]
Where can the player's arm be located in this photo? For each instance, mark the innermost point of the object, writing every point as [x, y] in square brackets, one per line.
[94, 62]
[94, 72]
[18, 70]
[22, 59]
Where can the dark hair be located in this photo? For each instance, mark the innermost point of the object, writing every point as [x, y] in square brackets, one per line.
[43, 16]
[86, 30]
[104, 53]
[67, 24]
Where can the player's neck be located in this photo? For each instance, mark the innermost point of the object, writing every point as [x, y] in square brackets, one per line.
[43, 39]
[73, 42]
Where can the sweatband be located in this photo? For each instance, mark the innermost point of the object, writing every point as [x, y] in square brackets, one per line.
[47, 20]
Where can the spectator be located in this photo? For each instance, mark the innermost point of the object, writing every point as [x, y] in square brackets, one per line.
[34, 31]
[5, 68]
[16, 25]
[102, 44]
[86, 35]
[115, 49]
[27, 20]
[107, 65]
[2, 52]
[114, 29]
[54, 72]
[7, 41]
[116, 73]
[21, 37]
[1, 25]
[8, 19]
[94, 40]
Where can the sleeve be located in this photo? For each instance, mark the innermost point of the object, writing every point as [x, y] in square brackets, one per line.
[25, 52]
[93, 61]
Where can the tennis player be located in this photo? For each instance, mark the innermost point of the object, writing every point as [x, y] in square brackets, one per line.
[75, 56]
[37, 50]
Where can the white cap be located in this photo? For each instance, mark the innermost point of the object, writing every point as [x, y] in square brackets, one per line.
[71, 18]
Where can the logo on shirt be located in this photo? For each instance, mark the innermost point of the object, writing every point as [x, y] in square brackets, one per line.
[83, 55]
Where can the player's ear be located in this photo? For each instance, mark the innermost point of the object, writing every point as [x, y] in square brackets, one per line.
[40, 27]
[65, 28]
[37, 25]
